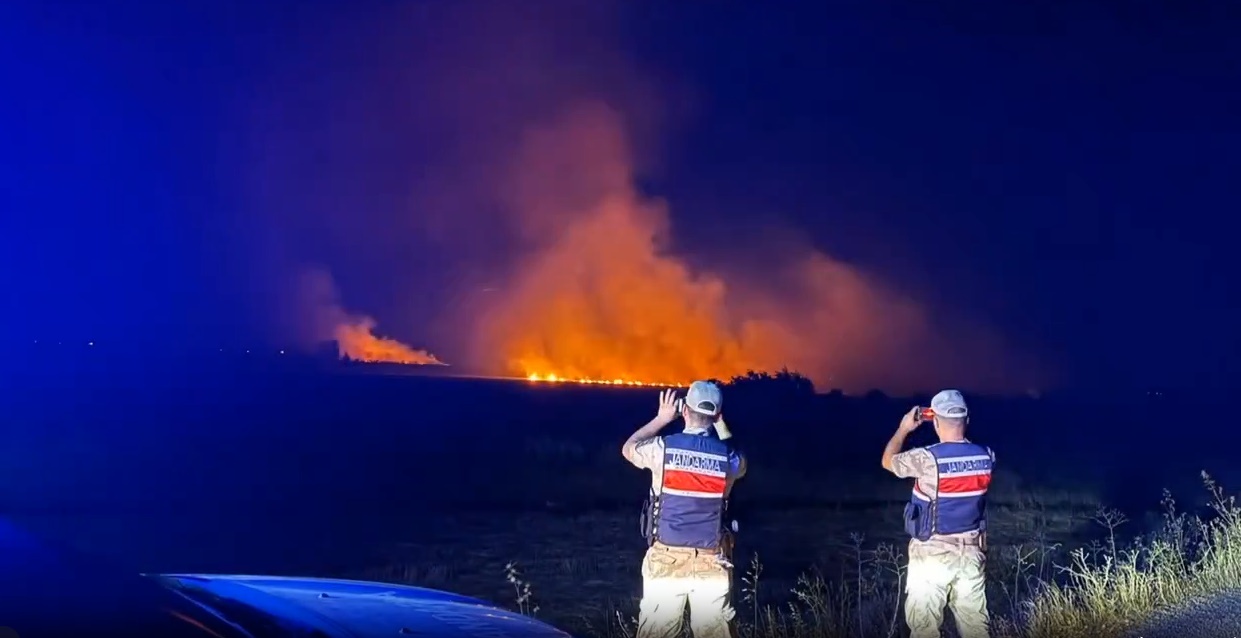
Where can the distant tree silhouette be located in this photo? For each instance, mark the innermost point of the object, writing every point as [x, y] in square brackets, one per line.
[783, 384]
[877, 396]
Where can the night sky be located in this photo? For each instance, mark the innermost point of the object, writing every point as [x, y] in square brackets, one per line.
[1066, 175]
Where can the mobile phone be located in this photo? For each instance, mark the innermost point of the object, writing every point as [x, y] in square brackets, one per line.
[926, 414]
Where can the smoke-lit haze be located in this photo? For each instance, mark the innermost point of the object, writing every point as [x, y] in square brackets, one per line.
[604, 297]
[322, 319]
[482, 186]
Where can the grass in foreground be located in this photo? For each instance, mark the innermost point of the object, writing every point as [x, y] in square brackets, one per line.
[1036, 591]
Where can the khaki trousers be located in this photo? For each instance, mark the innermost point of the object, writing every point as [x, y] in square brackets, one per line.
[947, 572]
[673, 577]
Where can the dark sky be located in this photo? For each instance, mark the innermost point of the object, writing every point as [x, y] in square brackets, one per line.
[1067, 174]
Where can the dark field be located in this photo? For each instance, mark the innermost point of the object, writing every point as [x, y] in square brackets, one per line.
[440, 482]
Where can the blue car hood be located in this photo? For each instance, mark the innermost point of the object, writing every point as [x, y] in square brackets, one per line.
[359, 609]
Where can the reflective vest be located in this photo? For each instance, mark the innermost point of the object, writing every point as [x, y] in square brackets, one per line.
[688, 510]
[958, 503]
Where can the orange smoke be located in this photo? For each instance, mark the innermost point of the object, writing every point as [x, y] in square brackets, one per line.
[318, 316]
[553, 262]
[356, 340]
[601, 296]
[601, 303]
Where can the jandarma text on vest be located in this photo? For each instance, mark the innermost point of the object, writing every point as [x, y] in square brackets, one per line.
[970, 464]
[696, 460]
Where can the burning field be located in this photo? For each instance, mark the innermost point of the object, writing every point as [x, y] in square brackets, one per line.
[551, 378]
[518, 242]
[600, 296]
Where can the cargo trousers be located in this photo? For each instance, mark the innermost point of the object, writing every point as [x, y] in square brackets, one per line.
[946, 571]
[673, 577]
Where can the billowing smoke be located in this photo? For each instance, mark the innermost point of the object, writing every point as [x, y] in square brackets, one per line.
[476, 165]
[604, 296]
[356, 340]
[325, 320]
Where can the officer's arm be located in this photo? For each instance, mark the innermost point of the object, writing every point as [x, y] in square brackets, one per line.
[893, 448]
[644, 434]
[917, 463]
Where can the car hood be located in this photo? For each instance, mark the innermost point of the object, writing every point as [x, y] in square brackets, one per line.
[361, 609]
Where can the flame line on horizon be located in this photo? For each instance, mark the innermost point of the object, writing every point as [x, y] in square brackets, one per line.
[530, 379]
[552, 378]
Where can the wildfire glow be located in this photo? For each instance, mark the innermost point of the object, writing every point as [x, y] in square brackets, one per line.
[554, 258]
[552, 378]
[604, 296]
[356, 340]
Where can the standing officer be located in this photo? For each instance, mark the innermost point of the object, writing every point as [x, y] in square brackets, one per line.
[692, 475]
[946, 518]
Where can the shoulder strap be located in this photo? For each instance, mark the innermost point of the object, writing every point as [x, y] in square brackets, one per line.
[935, 498]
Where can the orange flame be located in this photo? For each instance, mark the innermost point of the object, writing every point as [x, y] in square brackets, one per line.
[584, 281]
[357, 341]
[552, 378]
[601, 298]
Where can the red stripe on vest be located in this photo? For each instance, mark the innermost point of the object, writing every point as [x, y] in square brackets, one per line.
[958, 484]
[693, 482]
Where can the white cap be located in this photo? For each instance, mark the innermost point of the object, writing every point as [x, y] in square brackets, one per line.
[950, 404]
[704, 397]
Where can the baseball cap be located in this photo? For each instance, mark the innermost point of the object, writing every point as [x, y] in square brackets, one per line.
[949, 403]
[704, 397]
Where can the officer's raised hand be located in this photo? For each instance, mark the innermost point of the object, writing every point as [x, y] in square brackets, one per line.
[910, 421]
[721, 428]
[667, 407]
[666, 414]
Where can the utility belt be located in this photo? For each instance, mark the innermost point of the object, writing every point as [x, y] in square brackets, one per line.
[958, 542]
[921, 523]
[688, 551]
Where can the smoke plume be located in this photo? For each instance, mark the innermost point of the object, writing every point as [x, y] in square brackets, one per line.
[476, 167]
[328, 321]
[604, 296]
